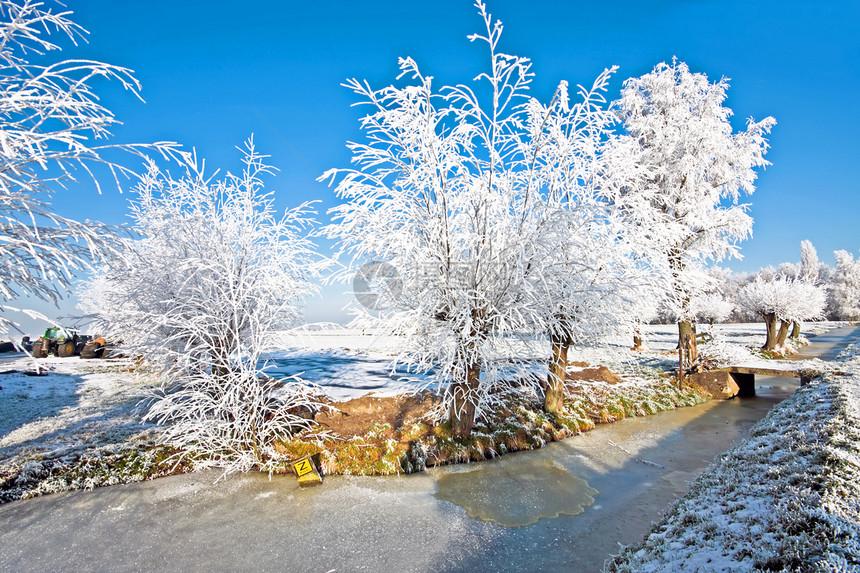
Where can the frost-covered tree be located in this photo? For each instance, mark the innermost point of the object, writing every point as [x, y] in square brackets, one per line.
[807, 302]
[594, 285]
[809, 270]
[731, 288]
[763, 296]
[586, 264]
[715, 304]
[644, 310]
[780, 301]
[53, 129]
[845, 293]
[200, 295]
[712, 307]
[473, 194]
[681, 171]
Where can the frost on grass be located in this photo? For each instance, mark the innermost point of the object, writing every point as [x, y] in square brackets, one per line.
[785, 499]
[407, 444]
[73, 428]
[77, 427]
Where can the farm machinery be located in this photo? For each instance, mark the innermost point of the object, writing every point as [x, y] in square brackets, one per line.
[96, 348]
[59, 341]
[67, 342]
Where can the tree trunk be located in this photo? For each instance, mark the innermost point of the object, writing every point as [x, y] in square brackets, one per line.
[554, 396]
[694, 347]
[221, 357]
[783, 333]
[464, 404]
[685, 327]
[770, 324]
[795, 331]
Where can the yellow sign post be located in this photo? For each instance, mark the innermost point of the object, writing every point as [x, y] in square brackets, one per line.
[306, 471]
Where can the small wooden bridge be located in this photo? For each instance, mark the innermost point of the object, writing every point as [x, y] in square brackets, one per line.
[740, 380]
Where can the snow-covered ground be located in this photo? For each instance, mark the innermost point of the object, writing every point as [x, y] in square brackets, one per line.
[342, 374]
[348, 363]
[84, 409]
[77, 410]
[787, 498]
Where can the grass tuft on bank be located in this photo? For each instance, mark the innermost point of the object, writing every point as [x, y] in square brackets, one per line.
[522, 425]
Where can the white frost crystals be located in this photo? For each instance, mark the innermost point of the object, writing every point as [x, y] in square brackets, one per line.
[785, 499]
[483, 199]
[200, 295]
[681, 172]
[784, 300]
[845, 295]
[52, 129]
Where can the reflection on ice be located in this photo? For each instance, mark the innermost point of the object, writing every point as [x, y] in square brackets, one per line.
[517, 491]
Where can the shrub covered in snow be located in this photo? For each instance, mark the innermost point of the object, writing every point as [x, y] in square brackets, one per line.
[200, 296]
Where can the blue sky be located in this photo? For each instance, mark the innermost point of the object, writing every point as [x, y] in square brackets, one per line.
[211, 70]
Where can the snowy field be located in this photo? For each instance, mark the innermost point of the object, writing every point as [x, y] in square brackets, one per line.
[348, 363]
[86, 410]
[787, 498]
[79, 410]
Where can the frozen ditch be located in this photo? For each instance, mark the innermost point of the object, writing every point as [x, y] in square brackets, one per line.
[615, 481]
[784, 499]
[620, 476]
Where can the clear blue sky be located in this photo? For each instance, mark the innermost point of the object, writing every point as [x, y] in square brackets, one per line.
[209, 68]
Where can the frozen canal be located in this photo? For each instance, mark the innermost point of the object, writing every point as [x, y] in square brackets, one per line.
[606, 486]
